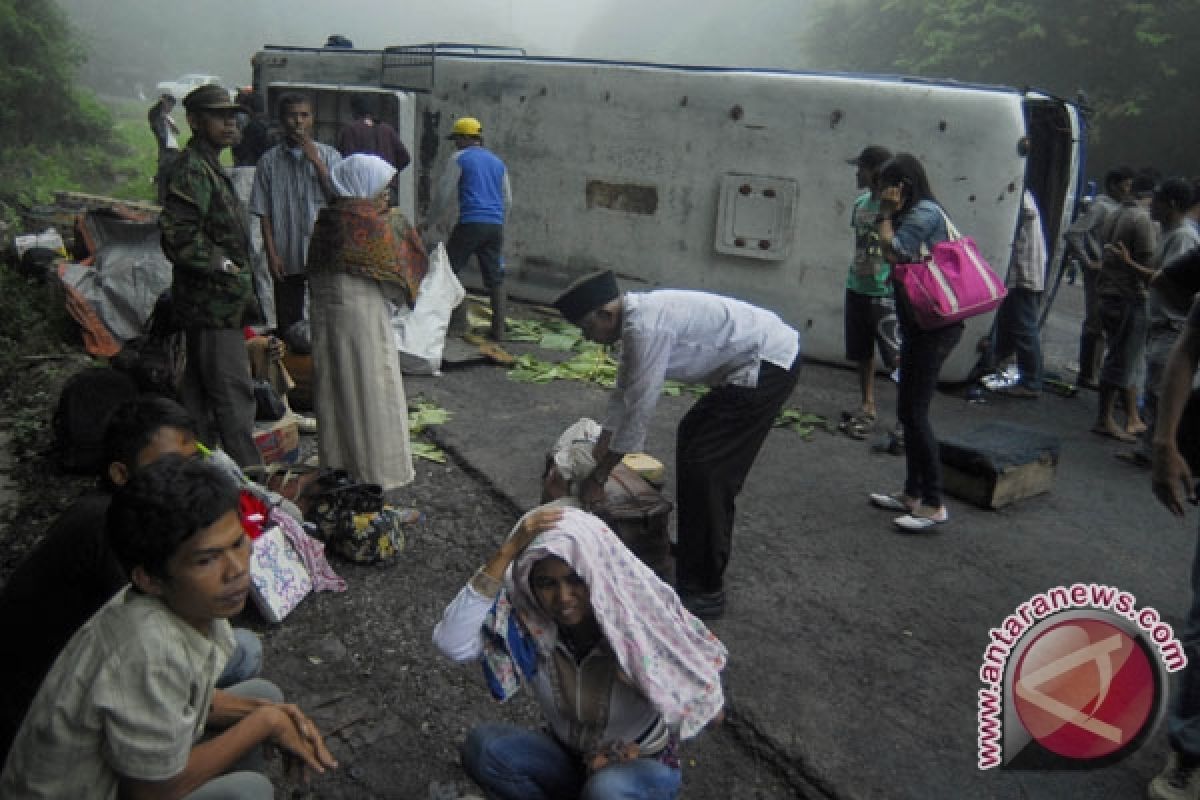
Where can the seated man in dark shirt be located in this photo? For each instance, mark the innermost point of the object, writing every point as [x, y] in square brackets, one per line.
[72, 572]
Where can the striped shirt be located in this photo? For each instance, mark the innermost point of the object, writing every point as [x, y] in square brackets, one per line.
[127, 697]
[288, 191]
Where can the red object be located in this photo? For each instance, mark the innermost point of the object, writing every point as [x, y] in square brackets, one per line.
[253, 513]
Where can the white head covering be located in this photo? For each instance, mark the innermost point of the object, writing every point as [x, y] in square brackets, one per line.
[361, 175]
[667, 653]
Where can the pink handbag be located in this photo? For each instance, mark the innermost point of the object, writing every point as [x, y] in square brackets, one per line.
[953, 283]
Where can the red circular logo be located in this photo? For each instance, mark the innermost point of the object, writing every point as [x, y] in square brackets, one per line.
[1084, 688]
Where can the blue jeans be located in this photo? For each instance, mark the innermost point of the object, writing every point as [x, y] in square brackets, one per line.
[1016, 331]
[246, 661]
[921, 356]
[246, 779]
[511, 763]
[1183, 721]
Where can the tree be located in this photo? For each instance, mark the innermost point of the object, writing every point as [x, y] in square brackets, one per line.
[1126, 56]
[38, 102]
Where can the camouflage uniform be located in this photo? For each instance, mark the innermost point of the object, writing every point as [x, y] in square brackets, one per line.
[204, 236]
[202, 227]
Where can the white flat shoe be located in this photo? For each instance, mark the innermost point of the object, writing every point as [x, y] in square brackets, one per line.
[892, 502]
[913, 523]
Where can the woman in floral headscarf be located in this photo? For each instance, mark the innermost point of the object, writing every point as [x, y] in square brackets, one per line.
[361, 257]
[620, 669]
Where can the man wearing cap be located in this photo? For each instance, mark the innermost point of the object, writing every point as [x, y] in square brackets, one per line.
[212, 289]
[870, 310]
[751, 360]
[480, 181]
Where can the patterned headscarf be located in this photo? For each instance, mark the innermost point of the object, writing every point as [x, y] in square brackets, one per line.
[668, 654]
[356, 236]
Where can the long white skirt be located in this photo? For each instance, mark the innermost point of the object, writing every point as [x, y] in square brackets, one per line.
[358, 391]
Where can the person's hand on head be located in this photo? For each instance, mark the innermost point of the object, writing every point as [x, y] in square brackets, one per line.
[534, 523]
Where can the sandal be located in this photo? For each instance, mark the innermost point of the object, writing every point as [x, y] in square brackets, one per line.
[857, 425]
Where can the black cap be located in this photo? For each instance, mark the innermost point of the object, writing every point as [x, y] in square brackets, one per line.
[209, 97]
[872, 157]
[586, 295]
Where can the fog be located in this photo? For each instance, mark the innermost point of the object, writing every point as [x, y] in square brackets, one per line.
[133, 44]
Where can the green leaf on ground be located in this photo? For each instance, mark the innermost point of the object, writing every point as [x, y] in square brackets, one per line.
[558, 341]
[427, 451]
[802, 422]
[423, 414]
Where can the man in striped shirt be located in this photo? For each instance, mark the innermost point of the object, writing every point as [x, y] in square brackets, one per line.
[291, 187]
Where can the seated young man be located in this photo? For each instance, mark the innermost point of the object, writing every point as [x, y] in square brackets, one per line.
[125, 708]
[72, 572]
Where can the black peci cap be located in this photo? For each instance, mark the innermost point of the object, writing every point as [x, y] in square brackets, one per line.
[586, 295]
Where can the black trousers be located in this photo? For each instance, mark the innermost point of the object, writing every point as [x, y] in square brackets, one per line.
[289, 301]
[716, 444]
[922, 354]
[486, 243]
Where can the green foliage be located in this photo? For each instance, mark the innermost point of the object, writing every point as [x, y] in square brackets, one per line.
[420, 416]
[37, 95]
[56, 136]
[31, 323]
[120, 164]
[1122, 54]
[804, 423]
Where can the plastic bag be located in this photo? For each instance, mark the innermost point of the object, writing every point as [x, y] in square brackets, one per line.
[420, 332]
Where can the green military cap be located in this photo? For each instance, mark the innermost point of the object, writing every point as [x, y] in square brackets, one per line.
[209, 97]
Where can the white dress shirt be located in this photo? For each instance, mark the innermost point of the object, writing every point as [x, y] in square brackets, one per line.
[693, 337]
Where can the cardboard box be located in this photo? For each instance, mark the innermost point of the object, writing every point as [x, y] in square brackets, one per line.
[278, 442]
[998, 464]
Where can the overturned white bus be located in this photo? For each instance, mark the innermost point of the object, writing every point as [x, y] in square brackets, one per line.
[727, 180]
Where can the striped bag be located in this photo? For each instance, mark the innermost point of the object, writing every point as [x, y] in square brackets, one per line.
[953, 283]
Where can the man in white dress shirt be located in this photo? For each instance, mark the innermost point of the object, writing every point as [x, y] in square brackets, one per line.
[751, 360]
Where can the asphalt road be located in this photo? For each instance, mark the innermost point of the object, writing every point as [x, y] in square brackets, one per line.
[855, 651]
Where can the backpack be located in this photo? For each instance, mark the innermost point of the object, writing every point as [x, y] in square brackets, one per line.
[155, 359]
[88, 399]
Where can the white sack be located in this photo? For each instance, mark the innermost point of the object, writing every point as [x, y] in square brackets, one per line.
[421, 331]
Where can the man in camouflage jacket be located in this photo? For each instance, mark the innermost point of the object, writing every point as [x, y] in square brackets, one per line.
[204, 236]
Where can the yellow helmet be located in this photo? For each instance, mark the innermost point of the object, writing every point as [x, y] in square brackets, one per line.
[466, 126]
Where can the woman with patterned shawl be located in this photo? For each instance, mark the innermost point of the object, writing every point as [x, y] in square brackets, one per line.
[361, 257]
[621, 670]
